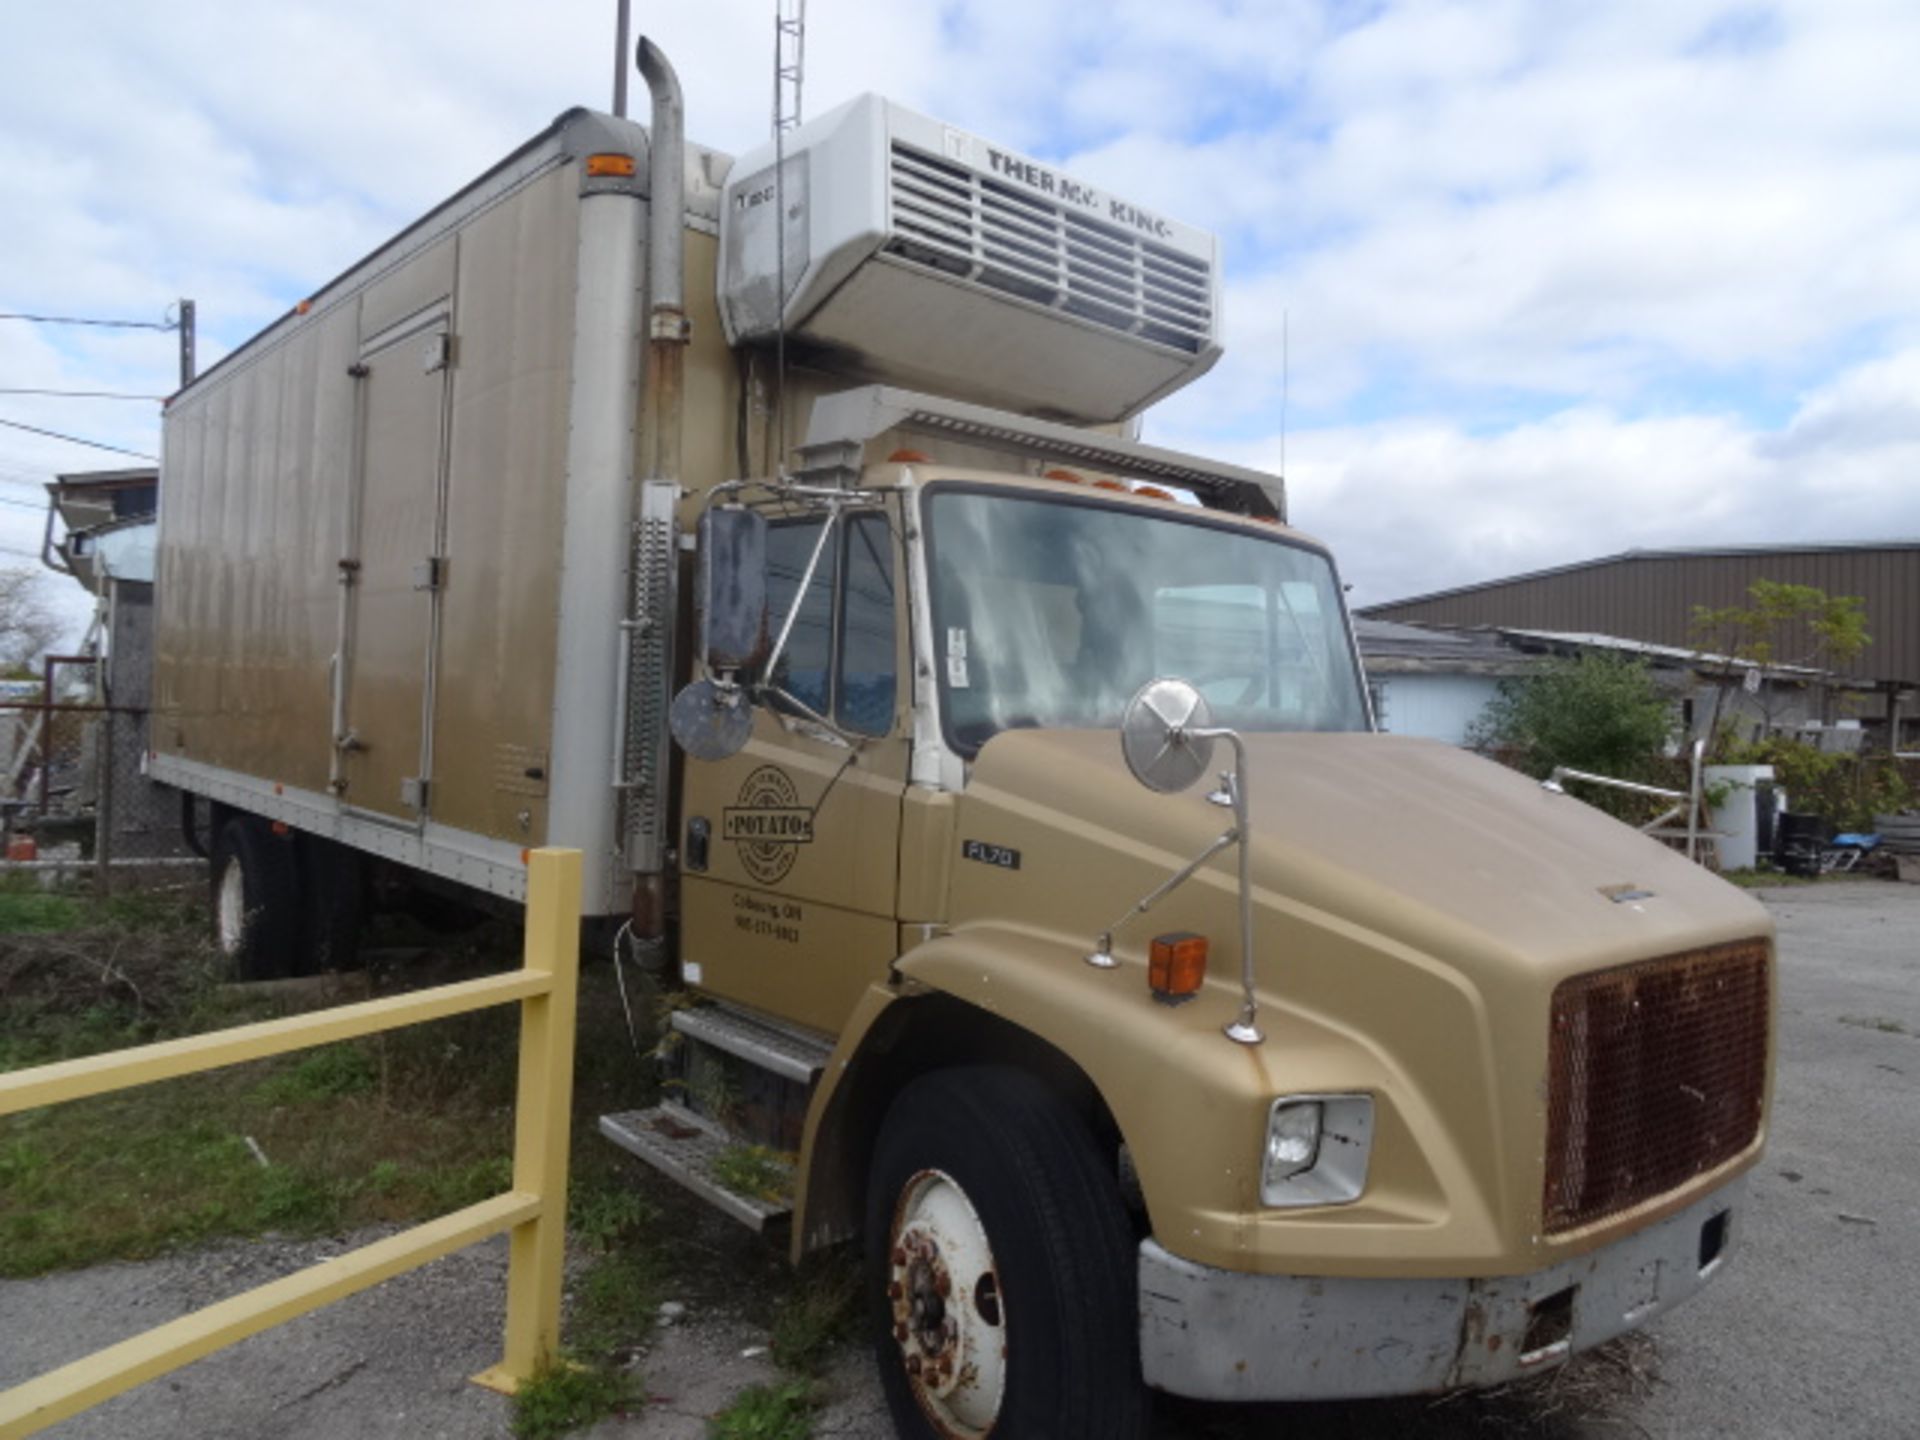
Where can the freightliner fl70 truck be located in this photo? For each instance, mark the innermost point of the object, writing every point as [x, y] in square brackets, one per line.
[1037, 877]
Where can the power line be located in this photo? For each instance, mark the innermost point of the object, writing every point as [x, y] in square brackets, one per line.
[79, 394]
[23, 504]
[76, 440]
[78, 320]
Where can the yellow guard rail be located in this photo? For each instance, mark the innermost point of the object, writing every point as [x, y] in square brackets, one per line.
[534, 1210]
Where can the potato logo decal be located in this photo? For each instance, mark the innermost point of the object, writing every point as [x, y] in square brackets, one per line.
[767, 825]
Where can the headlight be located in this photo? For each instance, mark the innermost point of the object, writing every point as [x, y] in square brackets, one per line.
[1317, 1149]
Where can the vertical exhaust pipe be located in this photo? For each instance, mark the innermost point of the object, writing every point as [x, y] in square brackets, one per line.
[667, 334]
[666, 283]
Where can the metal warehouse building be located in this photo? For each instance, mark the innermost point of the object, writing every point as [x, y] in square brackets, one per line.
[1650, 595]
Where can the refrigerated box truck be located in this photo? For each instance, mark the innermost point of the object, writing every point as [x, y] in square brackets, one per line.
[1040, 887]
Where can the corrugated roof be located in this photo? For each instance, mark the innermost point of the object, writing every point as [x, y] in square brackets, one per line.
[1821, 547]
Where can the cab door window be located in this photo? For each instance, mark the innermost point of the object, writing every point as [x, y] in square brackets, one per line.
[806, 664]
[839, 660]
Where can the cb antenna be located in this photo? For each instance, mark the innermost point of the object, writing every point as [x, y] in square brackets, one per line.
[789, 71]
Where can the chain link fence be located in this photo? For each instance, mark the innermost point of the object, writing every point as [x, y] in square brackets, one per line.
[74, 794]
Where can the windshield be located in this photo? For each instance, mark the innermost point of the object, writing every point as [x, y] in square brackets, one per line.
[1053, 612]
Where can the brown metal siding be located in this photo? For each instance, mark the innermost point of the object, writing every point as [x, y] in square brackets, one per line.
[1652, 598]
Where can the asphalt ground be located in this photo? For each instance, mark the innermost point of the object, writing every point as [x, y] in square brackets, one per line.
[1809, 1331]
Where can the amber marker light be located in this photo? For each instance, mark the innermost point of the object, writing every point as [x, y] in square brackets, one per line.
[1111, 485]
[1154, 492]
[621, 165]
[1059, 474]
[909, 457]
[1176, 965]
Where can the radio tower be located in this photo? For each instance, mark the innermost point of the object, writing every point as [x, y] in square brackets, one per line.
[789, 70]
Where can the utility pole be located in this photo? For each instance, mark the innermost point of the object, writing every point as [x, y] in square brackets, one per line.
[186, 343]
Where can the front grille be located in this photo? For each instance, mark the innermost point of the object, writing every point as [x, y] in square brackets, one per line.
[1656, 1073]
[979, 229]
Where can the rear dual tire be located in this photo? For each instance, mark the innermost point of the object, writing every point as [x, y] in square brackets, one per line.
[284, 904]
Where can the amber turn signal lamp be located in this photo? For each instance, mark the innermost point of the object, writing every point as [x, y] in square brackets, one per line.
[610, 165]
[1176, 965]
[909, 457]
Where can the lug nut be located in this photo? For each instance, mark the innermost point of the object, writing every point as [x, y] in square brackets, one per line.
[894, 1291]
[899, 1255]
[943, 1284]
[913, 1365]
[900, 1332]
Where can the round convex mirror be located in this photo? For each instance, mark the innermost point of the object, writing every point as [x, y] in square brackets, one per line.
[710, 723]
[1156, 735]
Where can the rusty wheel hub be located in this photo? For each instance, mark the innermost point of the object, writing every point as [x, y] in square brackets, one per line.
[944, 1294]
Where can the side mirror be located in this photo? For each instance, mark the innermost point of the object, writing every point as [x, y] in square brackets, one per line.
[711, 718]
[1158, 735]
[731, 588]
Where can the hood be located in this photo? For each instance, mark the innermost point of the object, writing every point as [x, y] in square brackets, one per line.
[1423, 845]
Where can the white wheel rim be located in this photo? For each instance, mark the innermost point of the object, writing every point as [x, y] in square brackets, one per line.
[230, 908]
[949, 1314]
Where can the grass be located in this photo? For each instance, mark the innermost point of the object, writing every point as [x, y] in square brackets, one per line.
[755, 1171]
[767, 1412]
[817, 1314]
[394, 1128]
[567, 1395]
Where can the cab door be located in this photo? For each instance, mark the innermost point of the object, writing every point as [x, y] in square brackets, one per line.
[790, 849]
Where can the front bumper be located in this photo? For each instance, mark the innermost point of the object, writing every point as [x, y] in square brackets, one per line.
[1225, 1335]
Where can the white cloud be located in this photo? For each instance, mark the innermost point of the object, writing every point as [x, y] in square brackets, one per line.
[1411, 506]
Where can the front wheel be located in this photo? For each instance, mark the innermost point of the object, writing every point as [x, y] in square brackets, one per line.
[1001, 1268]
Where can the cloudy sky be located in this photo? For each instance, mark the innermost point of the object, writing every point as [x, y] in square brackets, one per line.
[1558, 278]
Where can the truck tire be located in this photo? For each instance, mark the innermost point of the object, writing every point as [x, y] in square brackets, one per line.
[256, 899]
[1000, 1266]
[333, 905]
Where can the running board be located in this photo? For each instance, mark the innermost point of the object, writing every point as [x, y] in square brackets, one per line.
[687, 1148]
[790, 1054]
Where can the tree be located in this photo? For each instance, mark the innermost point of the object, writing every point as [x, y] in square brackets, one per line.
[1601, 713]
[28, 625]
[1798, 625]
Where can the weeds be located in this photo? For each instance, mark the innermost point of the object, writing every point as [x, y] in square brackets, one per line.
[564, 1396]
[755, 1171]
[817, 1314]
[767, 1412]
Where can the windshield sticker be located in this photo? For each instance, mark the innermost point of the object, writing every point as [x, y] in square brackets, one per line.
[957, 640]
[768, 826]
[956, 672]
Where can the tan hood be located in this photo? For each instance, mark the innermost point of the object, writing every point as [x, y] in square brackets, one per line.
[1419, 842]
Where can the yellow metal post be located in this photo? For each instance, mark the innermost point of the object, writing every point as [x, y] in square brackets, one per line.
[542, 1121]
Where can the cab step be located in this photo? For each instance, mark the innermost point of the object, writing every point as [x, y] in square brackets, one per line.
[778, 1049]
[689, 1148]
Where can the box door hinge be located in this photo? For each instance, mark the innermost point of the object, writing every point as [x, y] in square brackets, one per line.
[430, 573]
[413, 792]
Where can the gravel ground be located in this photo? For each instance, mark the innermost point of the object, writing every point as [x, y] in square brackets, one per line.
[1802, 1336]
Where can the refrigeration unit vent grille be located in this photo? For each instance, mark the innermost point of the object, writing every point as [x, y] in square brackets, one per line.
[967, 224]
